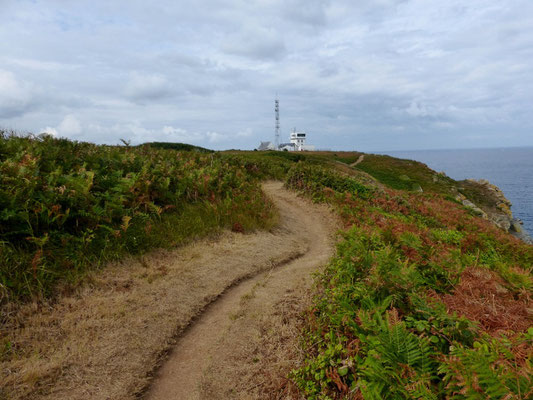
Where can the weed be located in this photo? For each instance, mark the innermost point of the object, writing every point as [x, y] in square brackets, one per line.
[66, 207]
[398, 314]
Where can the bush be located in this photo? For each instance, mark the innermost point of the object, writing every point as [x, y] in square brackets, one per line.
[380, 328]
[66, 206]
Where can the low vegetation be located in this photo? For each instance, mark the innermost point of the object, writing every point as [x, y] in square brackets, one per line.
[66, 207]
[424, 299]
[176, 146]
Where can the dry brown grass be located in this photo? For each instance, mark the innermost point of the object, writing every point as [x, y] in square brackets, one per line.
[481, 296]
[269, 350]
[104, 340]
[245, 344]
[262, 345]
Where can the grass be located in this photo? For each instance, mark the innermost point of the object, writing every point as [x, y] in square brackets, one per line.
[68, 207]
[415, 304]
[177, 146]
[398, 314]
[406, 174]
[76, 343]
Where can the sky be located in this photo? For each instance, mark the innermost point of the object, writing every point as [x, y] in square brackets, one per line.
[368, 75]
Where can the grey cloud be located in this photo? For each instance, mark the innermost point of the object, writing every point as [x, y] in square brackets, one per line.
[311, 12]
[146, 87]
[256, 42]
[16, 96]
[369, 74]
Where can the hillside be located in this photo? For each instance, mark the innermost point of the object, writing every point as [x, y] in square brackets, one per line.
[68, 207]
[424, 299]
[177, 146]
[428, 295]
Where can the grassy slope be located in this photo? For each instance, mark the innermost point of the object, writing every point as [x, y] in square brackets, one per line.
[66, 207]
[423, 300]
[414, 306]
[177, 146]
[403, 174]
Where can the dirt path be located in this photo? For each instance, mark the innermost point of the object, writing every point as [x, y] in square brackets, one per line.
[358, 161]
[105, 340]
[247, 336]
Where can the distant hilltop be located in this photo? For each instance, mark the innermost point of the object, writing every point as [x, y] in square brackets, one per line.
[177, 146]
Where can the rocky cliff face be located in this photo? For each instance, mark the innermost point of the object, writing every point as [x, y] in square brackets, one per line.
[489, 202]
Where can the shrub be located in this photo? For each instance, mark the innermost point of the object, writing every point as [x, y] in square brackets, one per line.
[67, 206]
[380, 326]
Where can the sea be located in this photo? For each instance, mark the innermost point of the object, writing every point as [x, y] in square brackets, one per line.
[511, 169]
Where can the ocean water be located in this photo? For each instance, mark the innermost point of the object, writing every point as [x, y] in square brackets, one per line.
[511, 169]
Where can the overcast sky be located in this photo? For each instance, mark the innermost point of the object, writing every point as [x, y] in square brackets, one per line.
[369, 75]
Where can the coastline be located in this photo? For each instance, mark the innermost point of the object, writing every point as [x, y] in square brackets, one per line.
[509, 169]
[494, 207]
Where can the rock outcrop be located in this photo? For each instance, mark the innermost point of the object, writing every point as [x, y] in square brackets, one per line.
[492, 206]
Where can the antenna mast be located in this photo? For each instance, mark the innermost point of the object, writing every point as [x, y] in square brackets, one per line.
[276, 110]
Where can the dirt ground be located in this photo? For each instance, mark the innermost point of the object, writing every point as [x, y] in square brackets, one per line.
[227, 306]
[244, 346]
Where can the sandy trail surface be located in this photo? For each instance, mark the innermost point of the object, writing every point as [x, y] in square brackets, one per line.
[221, 305]
[358, 161]
[245, 343]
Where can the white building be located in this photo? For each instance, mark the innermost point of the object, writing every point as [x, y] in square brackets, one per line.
[286, 147]
[298, 141]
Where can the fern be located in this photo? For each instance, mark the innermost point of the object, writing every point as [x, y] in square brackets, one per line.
[487, 368]
[397, 359]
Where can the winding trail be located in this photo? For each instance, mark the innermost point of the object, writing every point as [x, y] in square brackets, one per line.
[227, 307]
[213, 357]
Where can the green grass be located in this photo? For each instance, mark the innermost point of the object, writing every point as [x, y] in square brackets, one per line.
[177, 146]
[379, 329]
[404, 174]
[67, 207]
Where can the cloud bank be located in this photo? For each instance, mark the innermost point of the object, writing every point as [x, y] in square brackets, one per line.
[367, 75]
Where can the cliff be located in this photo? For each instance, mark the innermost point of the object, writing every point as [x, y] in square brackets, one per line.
[482, 197]
[490, 203]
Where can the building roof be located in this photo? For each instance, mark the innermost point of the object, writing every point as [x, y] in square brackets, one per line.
[266, 146]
